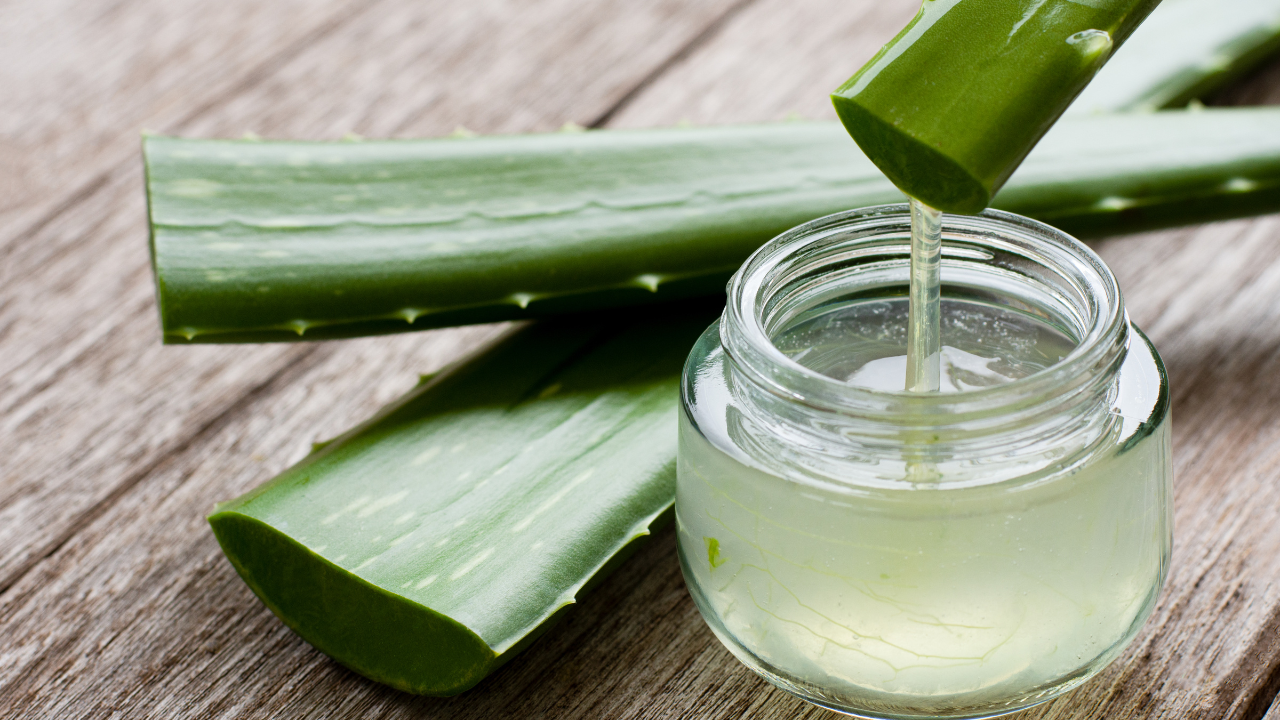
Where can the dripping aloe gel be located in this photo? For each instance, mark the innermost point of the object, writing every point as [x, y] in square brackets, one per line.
[959, 553]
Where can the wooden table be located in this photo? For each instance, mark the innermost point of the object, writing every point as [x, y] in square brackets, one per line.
[114, 598]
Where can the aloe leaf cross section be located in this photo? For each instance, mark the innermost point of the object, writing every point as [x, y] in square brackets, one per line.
[950, 107]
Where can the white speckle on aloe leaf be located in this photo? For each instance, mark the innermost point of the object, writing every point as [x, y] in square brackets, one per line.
[403, 519]
[340, 558]
[193, 188]
[472, 564]
[522, 299]
[420, 545]
[344, 198]
[375, 538]
[298, 160]
[1030, 13]
[273, 254]
[649, 281]
[442, 541]
[283, 222]
[1114, 203]
[458, 448]
[364, 564]
[550, 390]
[536, 545]
[425, 582]
[392, 210]
[551, 501]
[215, 276]
[318, 550]
[464, 476]
[425, 456]
[351, 507]
[399, 540]
[406, 584]
[1239, 185]
[382, 503]
[460, 522]
[226, 246]
[410, 314]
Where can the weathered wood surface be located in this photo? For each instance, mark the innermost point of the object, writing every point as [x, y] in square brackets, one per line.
[114, 599]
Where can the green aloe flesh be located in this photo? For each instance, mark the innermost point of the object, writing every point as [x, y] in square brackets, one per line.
[270, 241]
[950, 107]
[427, 546]
[1184, 50]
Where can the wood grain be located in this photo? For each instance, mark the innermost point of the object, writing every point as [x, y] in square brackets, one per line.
[114, 599]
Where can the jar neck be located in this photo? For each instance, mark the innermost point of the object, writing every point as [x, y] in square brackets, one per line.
[1026, 265]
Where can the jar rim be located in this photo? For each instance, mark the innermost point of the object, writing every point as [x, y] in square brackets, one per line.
[1095, 360]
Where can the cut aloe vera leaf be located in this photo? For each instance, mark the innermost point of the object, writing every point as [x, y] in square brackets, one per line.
[269, 241]
[950, 107]
[1183, 51]
[1158, 174]
[427, 546]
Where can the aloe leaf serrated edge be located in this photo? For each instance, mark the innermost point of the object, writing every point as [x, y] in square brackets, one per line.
[429, 545]
[279, 241]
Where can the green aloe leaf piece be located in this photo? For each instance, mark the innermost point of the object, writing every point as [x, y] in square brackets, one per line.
[269, 241]
[427, 546]
[1184, 50]
[952, 105]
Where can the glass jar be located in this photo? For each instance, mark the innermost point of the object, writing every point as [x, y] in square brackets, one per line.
[898, 555]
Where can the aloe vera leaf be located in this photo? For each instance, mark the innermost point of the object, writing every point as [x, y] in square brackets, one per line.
[427, 546]
[950, 107]
[269, 241]
[1184, 50]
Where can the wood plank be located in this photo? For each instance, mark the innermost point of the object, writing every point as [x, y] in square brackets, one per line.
[81, 78]
[138, 615]
[76, 315]
[772, 61]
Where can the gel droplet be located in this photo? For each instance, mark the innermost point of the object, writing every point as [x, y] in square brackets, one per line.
[1091, 43]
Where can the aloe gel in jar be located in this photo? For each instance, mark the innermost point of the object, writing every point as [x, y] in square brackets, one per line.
[954, 554]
